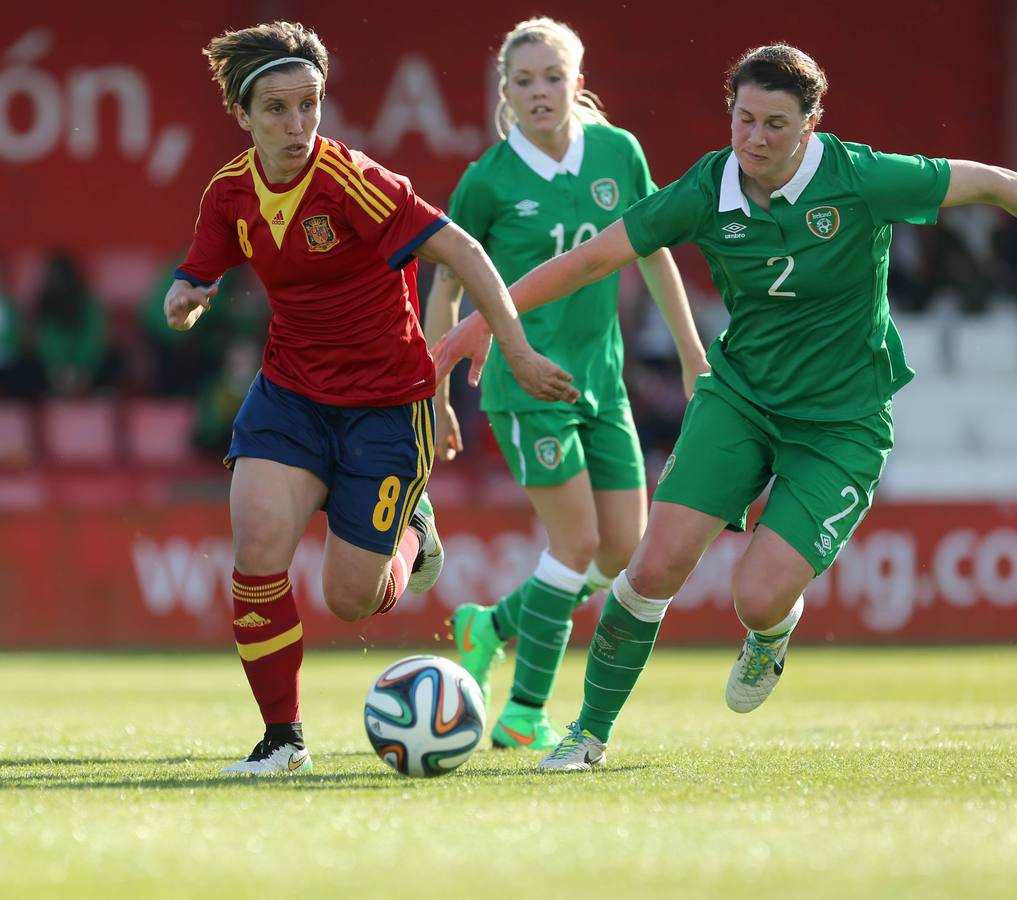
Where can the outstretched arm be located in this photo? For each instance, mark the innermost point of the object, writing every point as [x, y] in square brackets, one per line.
[536, 374]
[558, 277]
[441, 313]
[582, 265]
[974, 182]
[665, 283]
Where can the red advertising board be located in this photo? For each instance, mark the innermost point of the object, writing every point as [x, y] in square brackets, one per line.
[140, 572]
[110, 127]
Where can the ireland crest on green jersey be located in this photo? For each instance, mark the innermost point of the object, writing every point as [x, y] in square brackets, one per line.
[605, 192]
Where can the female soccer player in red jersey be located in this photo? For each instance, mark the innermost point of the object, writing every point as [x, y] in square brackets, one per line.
[340, 418]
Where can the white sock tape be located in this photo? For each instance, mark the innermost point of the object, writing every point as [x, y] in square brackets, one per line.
[646, 609]
[595, 579]
[558, 575]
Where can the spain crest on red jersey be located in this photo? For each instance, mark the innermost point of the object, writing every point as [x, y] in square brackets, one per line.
[319, 233]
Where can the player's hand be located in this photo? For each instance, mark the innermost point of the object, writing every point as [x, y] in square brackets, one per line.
[689, 375]
[542, 378]
[471, 339]
[448, 439]
[185, 303]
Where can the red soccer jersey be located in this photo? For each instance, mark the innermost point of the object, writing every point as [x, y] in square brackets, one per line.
[334, 249]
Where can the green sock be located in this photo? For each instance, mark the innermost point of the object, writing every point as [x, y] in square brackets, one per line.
[619, 650]
[544, 626]
[507, 612]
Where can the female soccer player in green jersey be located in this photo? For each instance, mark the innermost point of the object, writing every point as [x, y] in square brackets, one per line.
[795, 226]
[561, 176]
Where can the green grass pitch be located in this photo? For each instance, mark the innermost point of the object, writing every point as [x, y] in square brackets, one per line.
[869, 773]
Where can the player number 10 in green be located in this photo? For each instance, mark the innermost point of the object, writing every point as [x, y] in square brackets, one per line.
[583, 233]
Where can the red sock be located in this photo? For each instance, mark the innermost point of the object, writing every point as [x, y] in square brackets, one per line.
[402, 566]
[270, 640]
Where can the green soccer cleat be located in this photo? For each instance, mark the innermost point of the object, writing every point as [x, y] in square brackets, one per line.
[478, 643]
[524, 727]
[431, 557]
[578, 751]
[755, 673]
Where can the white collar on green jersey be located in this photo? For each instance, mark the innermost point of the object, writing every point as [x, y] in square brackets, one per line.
[545, 166]
[731, 196]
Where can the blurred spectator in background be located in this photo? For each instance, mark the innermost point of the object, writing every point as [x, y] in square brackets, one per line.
[71, 332]
[960, 262]
[241, 312]
[1004, 248]
[19, 372]
[221, 394]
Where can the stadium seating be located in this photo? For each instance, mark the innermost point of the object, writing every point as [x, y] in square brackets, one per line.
[17, 435]
[79, 432]
[158, 432]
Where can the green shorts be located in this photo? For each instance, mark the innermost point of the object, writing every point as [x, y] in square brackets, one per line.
[544, 448]
[824, 473]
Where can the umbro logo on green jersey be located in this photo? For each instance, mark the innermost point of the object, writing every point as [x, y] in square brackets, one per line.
[527, 207]
[734, 230]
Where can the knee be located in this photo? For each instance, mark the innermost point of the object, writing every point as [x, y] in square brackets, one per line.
[351, 603]
[614, 556]
[759, 605]
[349, 608]
[657, 577]
[576, 549]
[256, 550]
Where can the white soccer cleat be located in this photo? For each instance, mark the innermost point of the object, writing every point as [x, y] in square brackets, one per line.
[273, 759]
[431, 557]
[755, 673]
[578, 751]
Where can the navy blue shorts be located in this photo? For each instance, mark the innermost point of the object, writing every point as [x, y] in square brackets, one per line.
[374, 460]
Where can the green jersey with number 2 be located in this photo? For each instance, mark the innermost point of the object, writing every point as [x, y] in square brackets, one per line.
[810, 335]
[523, 218]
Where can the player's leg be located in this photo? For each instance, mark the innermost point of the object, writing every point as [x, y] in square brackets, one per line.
[618, 475]
[544, 620]
[719, 466]
[543, 450]
[826, 475]
[676, 538]
[270, 505]
[621, 521]
[279, 480]
[381, 526]
[767, 586]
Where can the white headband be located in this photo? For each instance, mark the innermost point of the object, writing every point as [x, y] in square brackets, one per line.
[246, 83]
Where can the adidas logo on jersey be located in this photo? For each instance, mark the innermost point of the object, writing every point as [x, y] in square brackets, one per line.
[527, 207]
[734, 230]
[279, 220]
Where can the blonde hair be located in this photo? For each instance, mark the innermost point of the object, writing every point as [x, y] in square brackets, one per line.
[543, 30]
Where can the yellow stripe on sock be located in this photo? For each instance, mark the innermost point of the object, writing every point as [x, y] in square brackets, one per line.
[263, 593]
[251, 652]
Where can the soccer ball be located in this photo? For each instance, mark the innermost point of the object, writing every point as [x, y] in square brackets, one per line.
[424, 716]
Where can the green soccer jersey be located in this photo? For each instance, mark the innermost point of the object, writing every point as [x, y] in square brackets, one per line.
[810, 335]
[525, 207]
